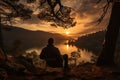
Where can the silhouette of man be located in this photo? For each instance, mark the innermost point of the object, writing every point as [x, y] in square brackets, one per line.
[51, 55]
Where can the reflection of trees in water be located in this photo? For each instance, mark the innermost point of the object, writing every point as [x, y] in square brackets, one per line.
[82, 56]
[74, 56]
[91, 42]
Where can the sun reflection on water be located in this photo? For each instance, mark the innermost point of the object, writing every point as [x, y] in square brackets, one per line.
[67, 46]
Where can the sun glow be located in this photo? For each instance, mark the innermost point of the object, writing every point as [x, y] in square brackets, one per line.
[67, 46]
[67, 32]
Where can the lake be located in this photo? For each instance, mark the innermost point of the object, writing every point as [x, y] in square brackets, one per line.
[85, 56]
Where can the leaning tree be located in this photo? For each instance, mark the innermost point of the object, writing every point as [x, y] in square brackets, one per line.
[106, 57]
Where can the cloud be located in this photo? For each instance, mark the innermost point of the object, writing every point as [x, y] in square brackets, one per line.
[84, 11]
[87, 12]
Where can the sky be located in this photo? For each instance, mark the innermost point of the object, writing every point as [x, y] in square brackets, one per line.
[84, 11]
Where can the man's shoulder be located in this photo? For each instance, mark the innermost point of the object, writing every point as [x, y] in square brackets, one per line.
[44, 48]
[55, 47]
[50, 47]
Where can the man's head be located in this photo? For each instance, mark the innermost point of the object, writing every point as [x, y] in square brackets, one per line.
[50, 41]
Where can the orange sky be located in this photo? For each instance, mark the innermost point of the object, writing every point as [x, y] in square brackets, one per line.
[83, 14]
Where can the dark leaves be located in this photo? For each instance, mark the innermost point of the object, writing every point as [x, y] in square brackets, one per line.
[24, 13]
[12, 9]
[31, 1]
[49, 10]
[105, 9]
[42, 2]
[53, 11]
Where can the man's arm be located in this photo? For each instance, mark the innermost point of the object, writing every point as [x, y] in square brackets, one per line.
[42, 55]
[59, 55]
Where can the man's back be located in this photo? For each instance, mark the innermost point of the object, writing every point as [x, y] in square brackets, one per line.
[52, 56]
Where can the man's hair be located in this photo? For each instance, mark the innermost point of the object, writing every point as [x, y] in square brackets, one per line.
[50, 41]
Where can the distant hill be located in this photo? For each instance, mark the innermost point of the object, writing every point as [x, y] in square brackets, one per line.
[28, 38]
[93, 42]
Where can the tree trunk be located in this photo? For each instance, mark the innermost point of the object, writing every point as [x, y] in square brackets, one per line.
[1, 39]
[106, 57]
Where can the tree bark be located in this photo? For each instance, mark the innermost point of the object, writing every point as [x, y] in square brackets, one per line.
[106, 57]
[1, 38]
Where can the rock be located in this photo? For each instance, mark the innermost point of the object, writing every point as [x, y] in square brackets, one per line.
[2, 55]
[27, 63]
[3, 74]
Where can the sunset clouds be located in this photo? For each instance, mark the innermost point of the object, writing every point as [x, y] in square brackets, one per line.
[84, 11]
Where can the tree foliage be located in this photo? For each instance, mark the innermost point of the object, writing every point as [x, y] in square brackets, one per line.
[105, 9]
[10, 9]
[49, 10]
[56, 12]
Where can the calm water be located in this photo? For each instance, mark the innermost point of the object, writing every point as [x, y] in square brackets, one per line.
[67, 49]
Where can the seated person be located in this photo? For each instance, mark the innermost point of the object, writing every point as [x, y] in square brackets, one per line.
[52, 55]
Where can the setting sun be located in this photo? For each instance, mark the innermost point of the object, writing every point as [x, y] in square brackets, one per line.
[67, 32]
